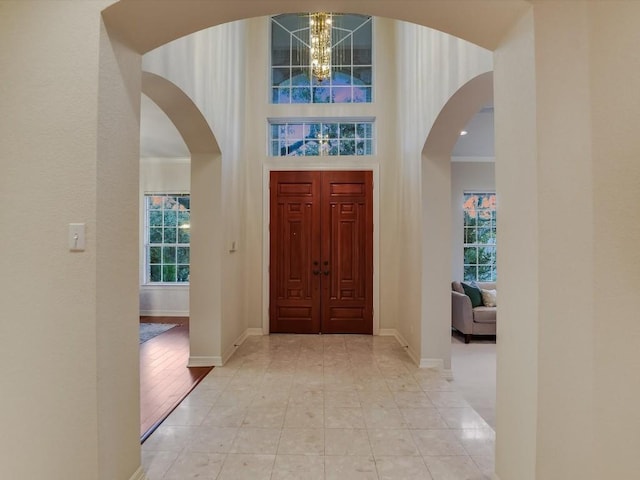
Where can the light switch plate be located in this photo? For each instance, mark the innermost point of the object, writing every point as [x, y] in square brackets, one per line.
[77, 237]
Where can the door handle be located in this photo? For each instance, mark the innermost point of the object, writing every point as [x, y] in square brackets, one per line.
[326, 264]
[316, 272]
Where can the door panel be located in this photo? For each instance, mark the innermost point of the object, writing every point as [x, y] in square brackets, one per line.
[347, 232]
[321, 259]
[294, 232]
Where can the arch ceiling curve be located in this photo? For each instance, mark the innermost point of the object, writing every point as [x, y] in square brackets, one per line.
[185, 115]
[144, 25]
[458, 110]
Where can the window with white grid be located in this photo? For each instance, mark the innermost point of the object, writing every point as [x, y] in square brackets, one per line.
[167, 238]
[479, 236]
[351, 79]
[318, 138]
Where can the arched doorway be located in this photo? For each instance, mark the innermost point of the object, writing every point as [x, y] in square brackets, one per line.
[198, 18]
[436, 198]
[205, 200]
[564, 122]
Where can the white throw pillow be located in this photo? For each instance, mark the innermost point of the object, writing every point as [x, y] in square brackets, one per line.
[488, 297]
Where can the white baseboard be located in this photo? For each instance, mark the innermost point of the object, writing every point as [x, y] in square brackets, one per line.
[392, 332]
[387, 332]
[164, 313]
[204, 361]
[219, 361]
[249, 332]
[139, 475]
[436, 363]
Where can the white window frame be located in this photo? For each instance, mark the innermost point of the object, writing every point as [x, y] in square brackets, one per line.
[300, 35]
[325, 145]
[472, 232]
[147, 244]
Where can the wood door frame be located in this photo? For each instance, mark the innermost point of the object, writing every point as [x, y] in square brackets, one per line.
[361, 164]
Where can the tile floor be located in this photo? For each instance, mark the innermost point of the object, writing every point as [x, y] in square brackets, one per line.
[321, 407]
[473, 367]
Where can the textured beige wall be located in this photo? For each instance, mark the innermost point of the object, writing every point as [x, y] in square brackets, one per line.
[565, 106]
[207, 276]
[518, 314]
[69, 403]
[116, 292]
[208, 67]
[614, 76]
[431, 68]
[565, 243]
[68, 158]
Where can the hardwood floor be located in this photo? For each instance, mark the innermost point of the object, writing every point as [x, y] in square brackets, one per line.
[165, 378]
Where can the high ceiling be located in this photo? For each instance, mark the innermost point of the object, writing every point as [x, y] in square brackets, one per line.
[160, 139]
[478, 143]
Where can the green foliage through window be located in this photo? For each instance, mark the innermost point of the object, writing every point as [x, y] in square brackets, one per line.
[167, 238]
[479, 237]
[321, 138]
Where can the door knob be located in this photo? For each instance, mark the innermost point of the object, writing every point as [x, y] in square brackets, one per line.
[326, 272]
[316, 272]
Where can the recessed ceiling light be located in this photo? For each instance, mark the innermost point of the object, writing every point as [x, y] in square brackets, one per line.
[463, 132]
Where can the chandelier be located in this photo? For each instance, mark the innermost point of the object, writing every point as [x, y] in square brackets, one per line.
[320, 44]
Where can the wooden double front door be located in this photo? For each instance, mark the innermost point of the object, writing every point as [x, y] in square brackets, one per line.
[321, 258]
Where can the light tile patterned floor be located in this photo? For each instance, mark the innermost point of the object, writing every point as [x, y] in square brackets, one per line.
[322, 407]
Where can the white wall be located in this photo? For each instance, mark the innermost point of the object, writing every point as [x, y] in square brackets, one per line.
[517, 330]
[65, 282]
[260, 163]
[431, 67]
[614, 77]
[564, 150]
[69, 143]
[566, 102]
[209, 67]
[466, 177]
[69, 406]
[162, 175]
[566, 113]
[445, 63]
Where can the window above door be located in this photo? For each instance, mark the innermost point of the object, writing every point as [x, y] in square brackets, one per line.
[320, 138]
[351, 78]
